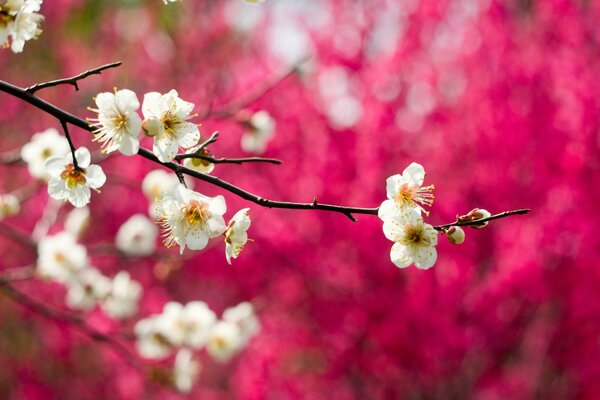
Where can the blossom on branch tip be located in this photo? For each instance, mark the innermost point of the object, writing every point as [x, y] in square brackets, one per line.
[190, 219]
[73, 183]
[42, 146]
[414, 240]
[261, 127]
[406, 191]
[118, 125]
[165, 119]
[235, 235]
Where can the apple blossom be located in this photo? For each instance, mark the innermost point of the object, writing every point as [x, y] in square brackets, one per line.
[190, 219]
[235, 235]
[68, 182]
[42, 146]
[118, 124]
[166, 120]
[414, 240]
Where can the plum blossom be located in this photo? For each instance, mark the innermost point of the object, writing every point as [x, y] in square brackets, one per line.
[166, 120]
[88, 287]
[68, 182]
[414, 240]
[137, 236]
[185, 371]
[152, 337]
[42, 146]
[190, 325]
[456, 235]
[225, 341]
[198, 164]
[235, 235]
[77, 221]
[157, 182]
[118, 125]
[122, 299]
[9, 205]
[261, 128]
[60, 257]
[244, 317]
[406, 191]
[20, 21]
[190, 219]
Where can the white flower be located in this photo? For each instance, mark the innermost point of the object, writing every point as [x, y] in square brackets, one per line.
[406, 191]
[414, 240]
[173, 131]
[137, 236]
[243, 315]
[190, 325]
[23, 25]
[42, 146]
[456, 235]
[190, 219]
[73, 184]
[77, 221]
[235, 235]
[185, 371]
[198, 164]
[123, 297]
[60, 257]
[152, 340]
[118, 124]
[262, 127]
[9, 205]
[88, 287]
[157, 182]
[225, 341]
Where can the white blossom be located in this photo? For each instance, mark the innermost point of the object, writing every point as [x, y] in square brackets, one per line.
[173, 131]
[118, 124]
[235, 235]
[190, 325]
[157, 182]
[73, 184]
[414, 240]
[456, 235]
[60, 257]
[185, 371]
[261, 128]
[42, 146]
[198, 164]
[244, 317]
[88, 287]
[190, 219]
[225, 341]
[122, 299]
[9, 205]
[406, 191]
[20, 21]
[152, 340]
[77, 221]
[137, 236]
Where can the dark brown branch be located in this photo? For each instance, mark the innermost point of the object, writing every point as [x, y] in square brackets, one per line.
[72, 80]
[229, 160]
[63, 123]
[64, 116]
[478, 222]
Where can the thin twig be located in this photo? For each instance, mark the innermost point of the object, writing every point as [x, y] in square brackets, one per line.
[213, 138]
[229, 160]
[482, 220]
[72, 80]
[63, 123]
[65, 116]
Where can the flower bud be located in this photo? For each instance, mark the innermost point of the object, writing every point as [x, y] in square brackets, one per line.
[152, 126]
[479, 213]
[456, 235]
[9, 205]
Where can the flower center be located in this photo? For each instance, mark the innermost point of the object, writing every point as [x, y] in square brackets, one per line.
[414, 235]
[73, 176]
[416, 196]
[196, 213]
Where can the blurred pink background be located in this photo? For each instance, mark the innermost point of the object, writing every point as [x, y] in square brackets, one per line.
[498, 100]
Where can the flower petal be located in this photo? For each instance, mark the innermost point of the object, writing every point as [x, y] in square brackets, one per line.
[79, 196]
[400, 255]
[83, 157]
[414, 174]
[151, 105]
[95, 177]
[424, 257]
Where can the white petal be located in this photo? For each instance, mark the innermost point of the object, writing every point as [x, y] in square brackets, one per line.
[400, 255]
[165, 148]
[188, 134]
[392, 186]
[55, 166]
[94, 176]
[79, 196]
[414, 174]
[83, 157]
[424, 257]
[57, 189]
[151, 106]
[196, 239]
[217, 205]
[393, 229]
[126, 100]
[105, 102]
[216, 226]
[129, 146]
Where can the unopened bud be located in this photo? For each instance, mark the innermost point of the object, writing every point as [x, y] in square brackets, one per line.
[480, 213]
[9, 205]
[456, 235]
[153, 126]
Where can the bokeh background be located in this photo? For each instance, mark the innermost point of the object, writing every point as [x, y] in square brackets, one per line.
[498, 100]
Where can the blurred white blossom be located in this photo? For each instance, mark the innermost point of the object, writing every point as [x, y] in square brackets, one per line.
[235, 235]
[122, 299]
[137, 236]
[42, 146]
[60, 257]
[9, 205]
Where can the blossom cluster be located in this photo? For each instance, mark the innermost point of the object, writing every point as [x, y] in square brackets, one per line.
[192, 327]
[19, 22]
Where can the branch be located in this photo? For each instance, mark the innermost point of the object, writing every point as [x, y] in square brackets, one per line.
[72, 80]
[66, 117]
[478, 222]
[228, 160]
